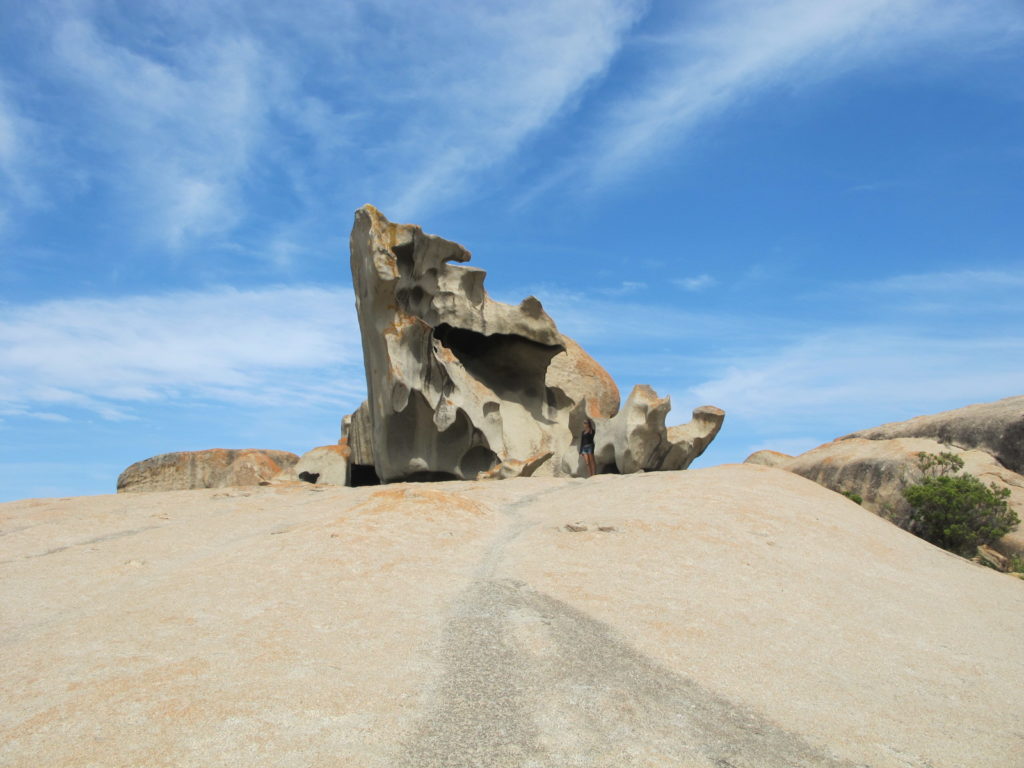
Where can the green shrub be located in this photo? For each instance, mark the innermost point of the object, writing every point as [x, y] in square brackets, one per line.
[855, 497]
[956, 511]
[936, 464]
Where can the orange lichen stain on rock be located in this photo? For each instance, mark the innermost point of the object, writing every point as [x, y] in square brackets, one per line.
[421, 503]
[445, 355]
[341, 449]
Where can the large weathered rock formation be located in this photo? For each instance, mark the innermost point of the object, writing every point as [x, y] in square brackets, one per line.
[461, 386]
[214, 468]
[878, 463]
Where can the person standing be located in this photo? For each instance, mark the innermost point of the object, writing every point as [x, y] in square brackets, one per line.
[587, 446]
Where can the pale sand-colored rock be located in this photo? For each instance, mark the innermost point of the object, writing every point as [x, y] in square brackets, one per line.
[879, 469]
[328, 463]
[737, 615]
[461, 386]
[768, 458]
[580, 377]
[996, 428]
[636, 439]
[213, 468]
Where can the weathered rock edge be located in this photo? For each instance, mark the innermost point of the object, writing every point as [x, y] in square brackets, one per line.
[878, 463]
[213, 468]
[462, 387]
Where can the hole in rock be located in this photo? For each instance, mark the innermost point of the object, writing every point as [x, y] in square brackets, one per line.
[362, 474]
[309, 477]
[403, 254]
[477, 459]
[509, 365]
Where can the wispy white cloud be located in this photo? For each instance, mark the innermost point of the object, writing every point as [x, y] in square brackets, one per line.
[793, 381]
[193, 113]
[621, 321]
[955, 301]
[505, 73]
[865, 369]
[278, 346]
[185, 112]
[624, 288]
[19, 159]
[726, 52]
[954, 282]
[698, 283]
[178, 131]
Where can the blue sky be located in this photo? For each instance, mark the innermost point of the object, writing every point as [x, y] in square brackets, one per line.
[807, 213]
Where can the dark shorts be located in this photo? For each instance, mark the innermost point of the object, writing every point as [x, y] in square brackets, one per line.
[587, 449]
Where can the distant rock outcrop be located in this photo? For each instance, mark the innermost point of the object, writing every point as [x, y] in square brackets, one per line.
[214, 468]
[877, 464]
[996, 428]
[461, 386]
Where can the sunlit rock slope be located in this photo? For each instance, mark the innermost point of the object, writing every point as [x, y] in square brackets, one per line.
[732, 616]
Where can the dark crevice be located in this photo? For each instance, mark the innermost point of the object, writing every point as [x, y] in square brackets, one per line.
[429, 477]
[403, 254]
[479, 458]
[511, 366]
[362, 474]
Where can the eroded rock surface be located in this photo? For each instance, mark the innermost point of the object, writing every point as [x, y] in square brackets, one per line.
[214, 468]
[636, 439]
[736, 616]
[996, 428]
[328, 463]
[879, 463]
[461, 386]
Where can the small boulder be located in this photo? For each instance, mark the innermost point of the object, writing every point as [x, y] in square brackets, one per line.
[327, 465]
[769, 459]
[214, 468]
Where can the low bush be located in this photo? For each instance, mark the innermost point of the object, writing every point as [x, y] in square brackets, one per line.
[956, 511]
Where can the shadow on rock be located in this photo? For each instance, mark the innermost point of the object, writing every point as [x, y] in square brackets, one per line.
[531, 681]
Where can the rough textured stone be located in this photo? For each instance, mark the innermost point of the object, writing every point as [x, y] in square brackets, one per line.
[214, 468]
[455, 380]
[739, 616]
[636, 440]
[357, 433]
[996, 428]
[328, 462]
[879, 470]
[992, 558]
[768, 458]
[461, 386]
[579, 377]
